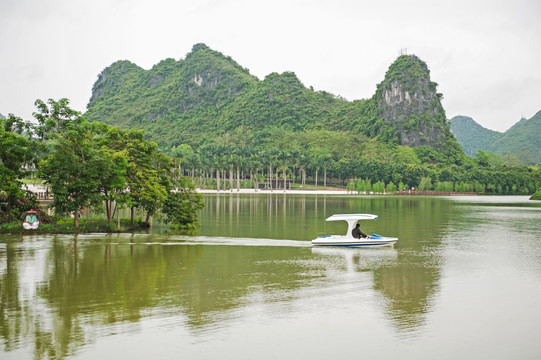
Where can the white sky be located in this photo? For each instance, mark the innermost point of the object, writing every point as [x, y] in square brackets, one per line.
[483, 54]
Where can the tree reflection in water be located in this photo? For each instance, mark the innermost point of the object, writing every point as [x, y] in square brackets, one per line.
[62, 293]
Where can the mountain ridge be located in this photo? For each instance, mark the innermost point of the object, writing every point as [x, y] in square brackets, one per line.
[522, 140]
[208, 94]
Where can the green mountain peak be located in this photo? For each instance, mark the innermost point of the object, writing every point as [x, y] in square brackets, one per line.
[408, 102]
[522, 140]
[208, 94]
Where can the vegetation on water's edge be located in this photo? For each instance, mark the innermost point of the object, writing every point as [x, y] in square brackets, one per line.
[67, 226]
[89, 166]
[536, 196]
[86, 225]
[96, 166]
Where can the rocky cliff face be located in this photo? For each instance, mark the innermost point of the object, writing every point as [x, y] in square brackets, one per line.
[407, 100]
[113, 78]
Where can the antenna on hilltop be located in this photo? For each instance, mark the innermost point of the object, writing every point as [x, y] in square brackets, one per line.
[403, 51]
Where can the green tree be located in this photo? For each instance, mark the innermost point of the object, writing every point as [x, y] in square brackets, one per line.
[425, 184]
[73, 168]
[53, 116]
[16, 149]
[326, 162]
[140, 166]
[402, 186]
[379, 187]
[391, 187]
[182, 202]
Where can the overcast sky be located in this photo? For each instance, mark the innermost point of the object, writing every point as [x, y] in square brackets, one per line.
[483, 54]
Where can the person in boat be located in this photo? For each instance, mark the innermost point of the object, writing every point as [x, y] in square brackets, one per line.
[357, 233]
[31, 221]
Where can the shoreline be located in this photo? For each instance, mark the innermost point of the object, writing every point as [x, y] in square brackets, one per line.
[291, 192]
[331, 192]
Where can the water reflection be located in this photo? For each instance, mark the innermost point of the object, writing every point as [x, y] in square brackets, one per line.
[409, 283]
[61, 293]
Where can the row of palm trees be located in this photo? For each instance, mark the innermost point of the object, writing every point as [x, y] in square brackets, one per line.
[214, 163]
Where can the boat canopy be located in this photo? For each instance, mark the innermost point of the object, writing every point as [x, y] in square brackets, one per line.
[351, 219]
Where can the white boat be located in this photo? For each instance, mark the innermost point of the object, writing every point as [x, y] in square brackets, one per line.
[373, 240]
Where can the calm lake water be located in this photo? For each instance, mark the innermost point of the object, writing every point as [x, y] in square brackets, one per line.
[463, 282]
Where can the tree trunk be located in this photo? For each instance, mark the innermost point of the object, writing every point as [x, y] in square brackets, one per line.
[9, 207]
[107, 209]
[217, 179]
[316, 179]
[113, 210]
[225, 179]
[238, 179]
[231, 178]
[132, 215]
[117, 218]
[76, 220]
[325, 178]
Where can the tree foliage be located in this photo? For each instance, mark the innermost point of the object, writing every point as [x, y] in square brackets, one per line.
[90, 164]
[16, 149]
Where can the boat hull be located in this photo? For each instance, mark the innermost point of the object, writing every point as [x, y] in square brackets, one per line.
[343, 241]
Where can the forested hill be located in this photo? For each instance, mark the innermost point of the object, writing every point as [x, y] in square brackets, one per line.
[206, 95]
[522, 140]
[472, 136]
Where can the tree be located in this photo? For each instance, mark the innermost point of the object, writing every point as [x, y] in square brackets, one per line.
[326, 162]
[145, 169]
[284, 161]
[425, 184]
[315, 164]
[182, 202]
[391, 187]
[180, 153]
[73, 168]
[482, 158]
[53, 116]
[16, 149]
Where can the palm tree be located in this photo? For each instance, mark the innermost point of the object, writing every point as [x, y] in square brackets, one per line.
[326, 161]
[284, 161]
[255, 164]
[303, 162]
[315, 163]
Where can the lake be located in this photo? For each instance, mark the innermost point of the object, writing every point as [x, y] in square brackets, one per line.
[463, 281]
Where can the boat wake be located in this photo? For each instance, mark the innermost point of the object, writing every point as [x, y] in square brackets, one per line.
[175, 240]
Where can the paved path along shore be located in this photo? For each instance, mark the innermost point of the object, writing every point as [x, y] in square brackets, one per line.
[291, 192]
